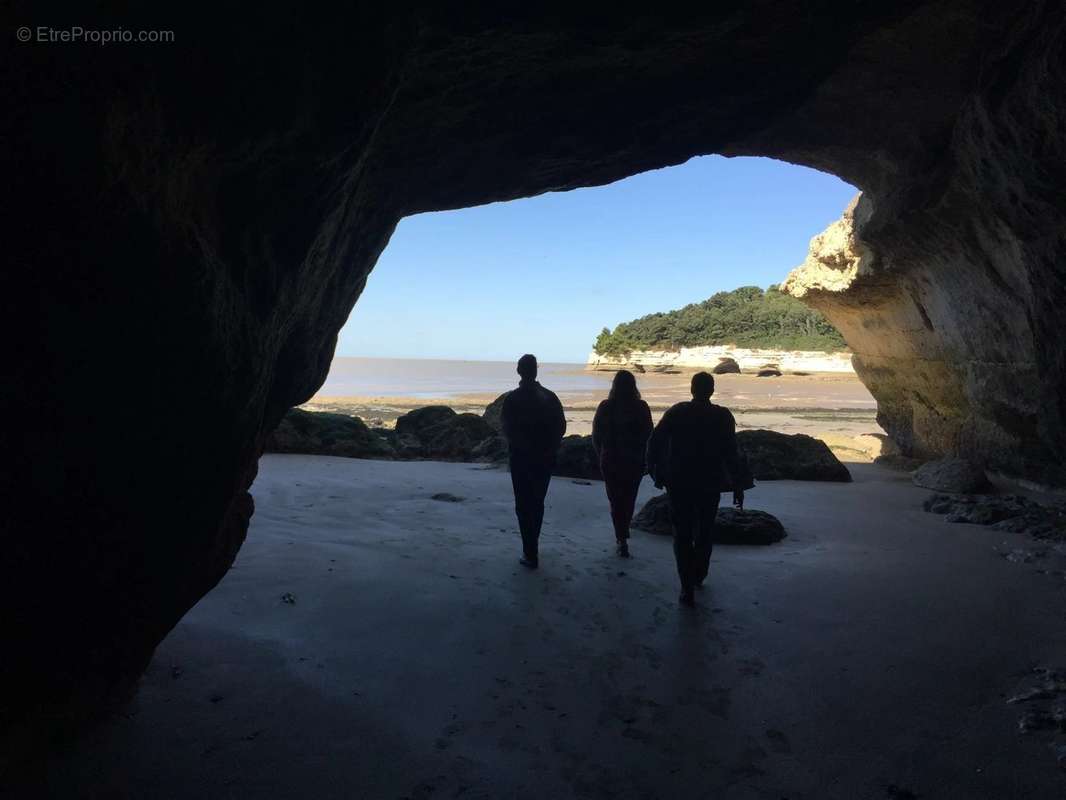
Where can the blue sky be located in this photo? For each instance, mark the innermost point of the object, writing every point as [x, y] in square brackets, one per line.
[546, 273]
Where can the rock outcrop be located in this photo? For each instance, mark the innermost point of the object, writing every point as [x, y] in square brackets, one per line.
[780, 456]
[494, 411]
[1009, 513]
[951, 475]
[198, 224]
[726, 366]
[577, 459]
[709, 357]
[322, 433]
[964, 371]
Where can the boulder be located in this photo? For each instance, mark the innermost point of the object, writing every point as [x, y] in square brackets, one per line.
[415, 423]
[577, 459]
[731, 526]
[747, 526]
[408, 446]
[638, 369]
[494, 412]
[726, 366]
[957, 475]
[455, 437]
[327, 434]
[780, 456]
[492, 450]
[768, 372]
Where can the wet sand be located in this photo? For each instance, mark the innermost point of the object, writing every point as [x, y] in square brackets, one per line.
[869, 655]
[837, 408]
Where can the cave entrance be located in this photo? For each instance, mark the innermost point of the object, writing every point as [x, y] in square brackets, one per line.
[679, 263]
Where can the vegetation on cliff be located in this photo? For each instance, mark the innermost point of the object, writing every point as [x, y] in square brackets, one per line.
[745, 317]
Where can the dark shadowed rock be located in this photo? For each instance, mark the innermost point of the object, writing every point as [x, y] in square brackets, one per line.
[898, 462]
[494, 411]
[780, 456]
[747, 526]
[415, 423]
[726, 366]
[731, 526]
[491, 450]
[577, 459]
[768, 372]
[951, 475]
[326, 434]
[455, 437]
[1009, 513]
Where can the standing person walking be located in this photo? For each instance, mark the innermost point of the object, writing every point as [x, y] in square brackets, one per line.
[533, 424]
[693, 451]
[620, 432]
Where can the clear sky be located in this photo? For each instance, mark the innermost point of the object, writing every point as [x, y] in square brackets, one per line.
[545, 274]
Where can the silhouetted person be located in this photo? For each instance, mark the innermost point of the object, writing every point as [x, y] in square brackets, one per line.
[533, 424]
[620, 432]
[693, 451]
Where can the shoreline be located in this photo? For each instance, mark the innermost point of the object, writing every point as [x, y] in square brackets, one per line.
[835, 408]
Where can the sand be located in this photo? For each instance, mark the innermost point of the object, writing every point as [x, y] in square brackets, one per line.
[869, 655]
[836, 408]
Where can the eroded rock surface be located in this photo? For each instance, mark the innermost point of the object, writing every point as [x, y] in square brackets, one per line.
[323, 433]
[198, 224]
[780, 456]
[946, 323]
[951, 475]
[731, 526]
[1009, 513]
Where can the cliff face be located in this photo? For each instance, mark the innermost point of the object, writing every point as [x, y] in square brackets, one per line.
[193, 222]
[749, 360]
[955, 369]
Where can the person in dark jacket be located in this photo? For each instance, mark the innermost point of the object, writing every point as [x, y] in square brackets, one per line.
[693, 451]
[620, 432]
[533, 424]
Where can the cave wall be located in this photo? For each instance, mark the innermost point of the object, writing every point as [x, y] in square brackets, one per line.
[189, 225]
[947, 289]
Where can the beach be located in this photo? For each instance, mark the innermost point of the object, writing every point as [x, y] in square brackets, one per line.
[373, 642]
[831, 406]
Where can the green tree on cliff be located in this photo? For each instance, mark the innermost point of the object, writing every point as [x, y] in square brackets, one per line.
[745, 317]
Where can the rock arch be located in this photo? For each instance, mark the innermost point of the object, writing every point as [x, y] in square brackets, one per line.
[193, 221]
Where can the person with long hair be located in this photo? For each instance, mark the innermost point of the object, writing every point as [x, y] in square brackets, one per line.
[620, 432]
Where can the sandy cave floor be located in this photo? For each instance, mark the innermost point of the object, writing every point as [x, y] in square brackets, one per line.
[868, 655]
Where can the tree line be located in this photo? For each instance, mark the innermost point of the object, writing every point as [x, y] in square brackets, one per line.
[745, 317]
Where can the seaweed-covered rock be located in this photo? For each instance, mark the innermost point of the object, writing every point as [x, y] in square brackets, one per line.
[577, 459]
[731, 526]
[780, 456]
[415, 423]
[456, 436]
[492, 450]
[747, 526]
[951, 475]
[327, 434]
[494, 411]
